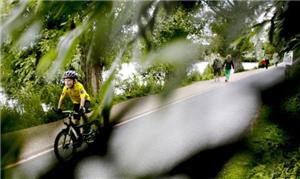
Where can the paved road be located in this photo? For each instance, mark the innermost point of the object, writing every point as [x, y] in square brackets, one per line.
[157, 142]
[157, 139]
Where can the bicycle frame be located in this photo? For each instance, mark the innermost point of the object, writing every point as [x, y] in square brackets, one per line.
[73, 128]
[71, 137]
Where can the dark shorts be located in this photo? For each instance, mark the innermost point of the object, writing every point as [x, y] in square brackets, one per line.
[217, 72]
[77, 106]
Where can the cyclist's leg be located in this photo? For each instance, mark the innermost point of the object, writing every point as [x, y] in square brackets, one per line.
[86, 106]
[86, 129]
[76, 109]
[76, 116]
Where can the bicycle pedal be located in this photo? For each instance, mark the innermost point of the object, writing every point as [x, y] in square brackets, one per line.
[90, 140]
[86, 133]
[77, 144]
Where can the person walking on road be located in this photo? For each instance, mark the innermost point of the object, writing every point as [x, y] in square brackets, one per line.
[217, 67]
[267, 63]
[275, 59]
[228, 64]
[263, 63]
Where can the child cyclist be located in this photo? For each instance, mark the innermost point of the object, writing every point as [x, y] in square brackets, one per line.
[79, 97]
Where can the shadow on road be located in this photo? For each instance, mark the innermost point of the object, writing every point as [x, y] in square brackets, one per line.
[206, 164]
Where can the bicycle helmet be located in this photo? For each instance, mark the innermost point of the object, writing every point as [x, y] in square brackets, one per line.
[70, 74]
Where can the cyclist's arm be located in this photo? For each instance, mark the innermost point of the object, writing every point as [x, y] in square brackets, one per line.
[60, 101]
[62, 96]
[82, 101]
[82, 97]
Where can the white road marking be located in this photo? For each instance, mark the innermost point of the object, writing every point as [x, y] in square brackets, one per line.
[117, 125]
[27, 159]
[159, 108]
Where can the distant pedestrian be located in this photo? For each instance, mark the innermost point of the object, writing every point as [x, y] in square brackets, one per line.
[267, 63]
[228, 64]
[275, 59]
[263, 62]
[217, 67]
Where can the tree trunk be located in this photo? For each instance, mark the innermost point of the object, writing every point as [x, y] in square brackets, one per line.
[92, 70]
[238, 67]
[95, 76]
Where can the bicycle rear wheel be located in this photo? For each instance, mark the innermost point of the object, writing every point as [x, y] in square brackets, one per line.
[94, 127]
[64, 148]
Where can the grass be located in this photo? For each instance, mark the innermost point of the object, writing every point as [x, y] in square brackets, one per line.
[238, 166]
[270, 152]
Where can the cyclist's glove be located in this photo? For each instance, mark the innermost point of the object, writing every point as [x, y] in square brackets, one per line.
[58, 111]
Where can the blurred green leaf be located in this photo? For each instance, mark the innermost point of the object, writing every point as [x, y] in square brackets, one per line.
[46, 61]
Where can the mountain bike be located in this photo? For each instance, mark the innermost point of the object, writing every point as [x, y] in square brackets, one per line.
[70, 139]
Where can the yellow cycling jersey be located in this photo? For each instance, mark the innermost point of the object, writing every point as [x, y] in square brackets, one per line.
[75, 93]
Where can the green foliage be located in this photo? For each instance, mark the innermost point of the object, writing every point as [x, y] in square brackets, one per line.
[278, 165]
[243, 45]
[22, 80]
[294, 71]
[10, 119]
[194, 76]
[266, 135]
[50, 94]
[238, 166]
[253, 59]
[48, 40]
[292, 106]
[233, 22]
[28, 111]
[270, 152]
[147, 82]
[178, 25]
[283, 32]
[208, 73]
[133, 88]
[46, 61]
[269, 49]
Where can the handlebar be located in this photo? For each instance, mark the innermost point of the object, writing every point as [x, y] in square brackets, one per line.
[69, 112]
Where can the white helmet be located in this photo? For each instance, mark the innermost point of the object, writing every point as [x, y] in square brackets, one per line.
[70, 74]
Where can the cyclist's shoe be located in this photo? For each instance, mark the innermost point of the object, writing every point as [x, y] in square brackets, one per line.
[76, 144]
[90, 140]
[87, 131]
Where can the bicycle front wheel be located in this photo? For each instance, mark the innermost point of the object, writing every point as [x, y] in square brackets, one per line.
[64, 146]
